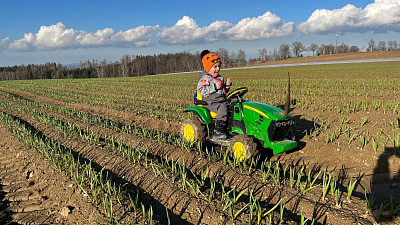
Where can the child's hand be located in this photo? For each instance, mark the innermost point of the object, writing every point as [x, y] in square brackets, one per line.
[228, 81]
[218, 85]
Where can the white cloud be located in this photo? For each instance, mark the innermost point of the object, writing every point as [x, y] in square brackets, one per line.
[262, 27]
[186, 30]
[380, 16]
[141, 36]
[23, 44]
[3, 43]
[59, 36]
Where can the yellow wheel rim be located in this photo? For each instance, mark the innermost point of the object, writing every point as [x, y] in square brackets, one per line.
[188, 133]
[239, 151]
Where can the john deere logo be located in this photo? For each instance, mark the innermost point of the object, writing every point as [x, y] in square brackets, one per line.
[284, 123]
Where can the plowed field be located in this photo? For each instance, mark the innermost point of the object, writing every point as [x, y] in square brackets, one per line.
[92, 151]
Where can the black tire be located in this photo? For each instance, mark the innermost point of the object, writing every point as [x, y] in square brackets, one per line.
[242, 147]
[192, 130]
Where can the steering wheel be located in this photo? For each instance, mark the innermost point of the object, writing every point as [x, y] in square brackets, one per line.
[237, 93]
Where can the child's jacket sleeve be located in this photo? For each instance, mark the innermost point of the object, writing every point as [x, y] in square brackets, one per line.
[227, 87]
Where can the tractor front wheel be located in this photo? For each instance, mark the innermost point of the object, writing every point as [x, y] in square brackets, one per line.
[242, 147]
[192, 130]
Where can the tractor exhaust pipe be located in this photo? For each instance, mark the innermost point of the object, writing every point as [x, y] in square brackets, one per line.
[287, 103]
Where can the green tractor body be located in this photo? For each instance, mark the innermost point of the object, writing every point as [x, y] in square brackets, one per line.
[265, 123]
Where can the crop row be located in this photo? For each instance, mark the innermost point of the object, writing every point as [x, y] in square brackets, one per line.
[271, 173]
[340, 130]
[98, 186]
[159, 96]
[172, 108]
[135, 156]
[343, 130]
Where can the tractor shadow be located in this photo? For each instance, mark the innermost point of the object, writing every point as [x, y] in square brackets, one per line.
[385, 186]
[301, 127]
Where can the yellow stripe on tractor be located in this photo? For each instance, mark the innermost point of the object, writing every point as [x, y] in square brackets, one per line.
[256, 110]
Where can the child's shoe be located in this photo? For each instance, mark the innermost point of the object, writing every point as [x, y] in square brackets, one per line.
[219, 131]
[218, 135]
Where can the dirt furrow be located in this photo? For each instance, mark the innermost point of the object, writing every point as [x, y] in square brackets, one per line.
[179, 202]
[32, 192]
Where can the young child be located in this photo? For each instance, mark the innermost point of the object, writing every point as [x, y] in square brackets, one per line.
[213, 88]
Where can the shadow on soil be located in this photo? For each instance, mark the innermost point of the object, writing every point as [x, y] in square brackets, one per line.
[5, 215]
[385, 187]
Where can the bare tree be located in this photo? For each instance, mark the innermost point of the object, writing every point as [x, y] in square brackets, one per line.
[262, 54]
[97, 68]
[298, 48]
[100, 67]
[241, 56]
[224, 55]
[354, 49]
[313, 48]
[85, 65]
[284, 51]
[371, 45]
[392, 45]
[233, 57]
[103, 66]
[343, 48]
[326, 49]
[124, 66]
[382, 46]
[275, 55]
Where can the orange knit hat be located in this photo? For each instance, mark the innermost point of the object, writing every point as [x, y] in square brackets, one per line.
[209, 60]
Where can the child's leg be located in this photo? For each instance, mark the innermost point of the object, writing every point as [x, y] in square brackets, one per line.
[220, 121]
[222, 112]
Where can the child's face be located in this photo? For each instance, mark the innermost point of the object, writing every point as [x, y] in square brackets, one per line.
[215, 69]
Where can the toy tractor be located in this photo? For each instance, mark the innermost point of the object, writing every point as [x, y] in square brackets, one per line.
[248, 123]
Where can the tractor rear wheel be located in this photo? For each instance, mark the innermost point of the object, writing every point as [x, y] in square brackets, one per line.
[192, 130]
[242, 147]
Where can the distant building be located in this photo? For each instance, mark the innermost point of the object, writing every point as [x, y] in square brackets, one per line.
[363, 49]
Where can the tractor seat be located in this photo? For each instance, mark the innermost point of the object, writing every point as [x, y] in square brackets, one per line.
[198, 100]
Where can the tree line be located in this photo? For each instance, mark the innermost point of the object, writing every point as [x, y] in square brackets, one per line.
[296, 49]
[127, 66]
[139, 65]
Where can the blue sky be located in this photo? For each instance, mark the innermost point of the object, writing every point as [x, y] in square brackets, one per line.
[72, 31]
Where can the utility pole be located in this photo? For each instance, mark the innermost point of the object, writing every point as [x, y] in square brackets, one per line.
[337, 36]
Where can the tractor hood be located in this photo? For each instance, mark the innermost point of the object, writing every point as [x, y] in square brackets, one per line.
[268, 111]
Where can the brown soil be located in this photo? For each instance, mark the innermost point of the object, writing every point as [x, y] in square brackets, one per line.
[32, 192]
[378, 172]
[338, 57]
[145, 179]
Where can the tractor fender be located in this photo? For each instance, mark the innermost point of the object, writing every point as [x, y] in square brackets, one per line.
[202, 113]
